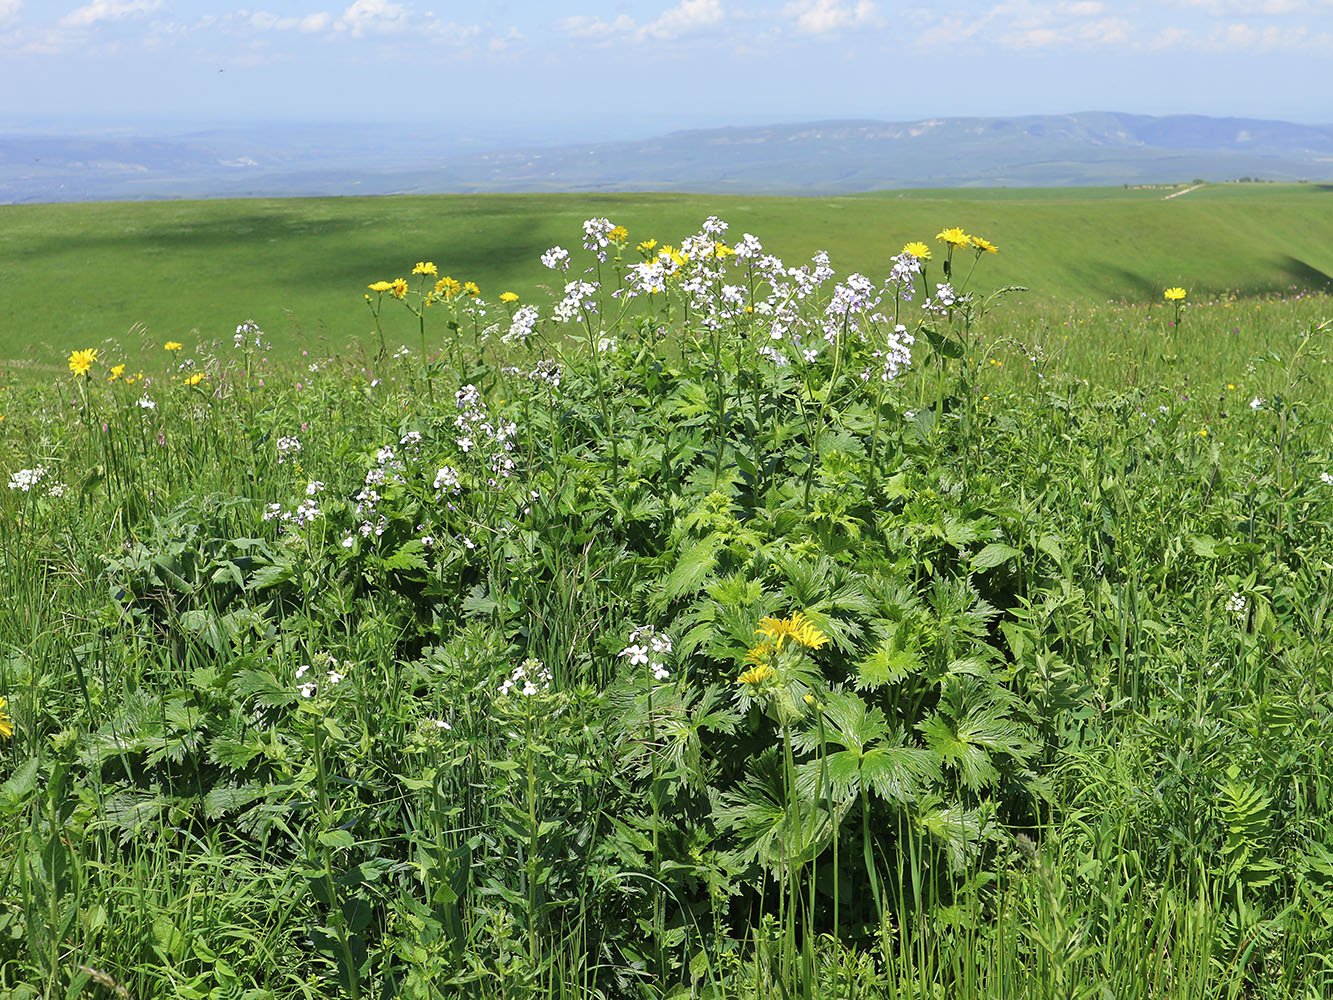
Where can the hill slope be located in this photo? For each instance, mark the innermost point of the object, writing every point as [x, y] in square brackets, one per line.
[71, 275]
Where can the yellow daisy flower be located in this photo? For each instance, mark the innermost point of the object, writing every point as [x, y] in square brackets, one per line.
[508, 296]
[618, 234]
[381, 286]
[426, 267]
[1174, 294]
[918, 250]
[447, 287]
[6, 723]
[399, 288]
[81, 362]
[756, 675]
[955, 237]
[984, 246]
[172, 345]
[195, 379]
[798, 627]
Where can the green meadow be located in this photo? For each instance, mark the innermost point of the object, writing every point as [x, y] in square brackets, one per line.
[149, 272]
[768, 633]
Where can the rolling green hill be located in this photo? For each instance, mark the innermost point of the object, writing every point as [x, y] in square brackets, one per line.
[75, 274]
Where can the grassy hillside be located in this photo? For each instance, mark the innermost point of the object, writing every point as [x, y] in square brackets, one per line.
[77, 274]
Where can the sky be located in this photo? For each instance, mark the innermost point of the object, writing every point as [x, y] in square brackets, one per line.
[617, 68]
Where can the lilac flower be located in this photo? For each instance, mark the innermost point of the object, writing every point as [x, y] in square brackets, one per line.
[520, 329]
[557, 259]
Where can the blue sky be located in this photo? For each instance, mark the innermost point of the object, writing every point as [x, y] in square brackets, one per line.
[648, 65]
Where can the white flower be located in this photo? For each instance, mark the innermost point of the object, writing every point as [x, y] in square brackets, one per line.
[636, 654]
[146, 403]
[302, 670]
[441, 724]
[335, 677]
[348, 542]
[26, 479]
[1257, 403]
[1326, 479]
[557, 258]
[308, 689]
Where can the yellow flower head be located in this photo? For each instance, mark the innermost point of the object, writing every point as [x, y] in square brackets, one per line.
[798, 627]
[1174, 294]
[381, 286]
[508, 296]
[6, 723]
[647, 246]
[426, 267]
[172, 345]
[81, 362]
[116, 372]
[618, 234]
[399, 288]
[918, 250]
[195, 379]
[955, 237]
[447, 287]
[756, 675]
[471, 288]
[985, 246]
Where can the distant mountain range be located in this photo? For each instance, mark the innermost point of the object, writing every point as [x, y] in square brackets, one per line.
[827, 157]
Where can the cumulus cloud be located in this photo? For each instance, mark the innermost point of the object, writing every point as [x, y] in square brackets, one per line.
[688, 17]
[823, 17]
[9, 9]
[373, 16]
[107, 10]
[1243, 37]
[265, 21]
[1272, 8]
[594, 29]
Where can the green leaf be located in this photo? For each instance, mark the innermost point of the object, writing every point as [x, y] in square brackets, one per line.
[337, 839]
[994, 554]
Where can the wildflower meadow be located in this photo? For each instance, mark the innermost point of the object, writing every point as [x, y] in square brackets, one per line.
[717, 625]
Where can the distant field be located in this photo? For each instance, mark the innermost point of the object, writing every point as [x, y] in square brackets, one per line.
[73, 275]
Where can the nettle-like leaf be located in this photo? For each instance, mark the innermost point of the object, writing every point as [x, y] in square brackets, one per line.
[771, 826]
[873, 758]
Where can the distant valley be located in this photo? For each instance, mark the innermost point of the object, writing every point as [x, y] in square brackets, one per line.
[828, 157]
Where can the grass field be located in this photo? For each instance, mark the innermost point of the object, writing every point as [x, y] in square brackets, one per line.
[191, 271]
[985, 656]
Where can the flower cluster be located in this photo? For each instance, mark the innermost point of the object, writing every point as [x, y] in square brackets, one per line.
[321, 661]
[521, 326]
[288, 447]
[651, 647]
[526, 677]
[476, 426]
[27, 479]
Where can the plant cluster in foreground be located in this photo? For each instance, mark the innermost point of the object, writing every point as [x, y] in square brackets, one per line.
[724, 627]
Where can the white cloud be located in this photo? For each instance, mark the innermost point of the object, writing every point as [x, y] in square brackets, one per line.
[1083, 8]
[379, 16]
[9, 9]
[1222, 8]
[265, 21]
[107, 10]
[685, 18]
[689, 16]
[1242, 37]
[823, 17]
[594, 29]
